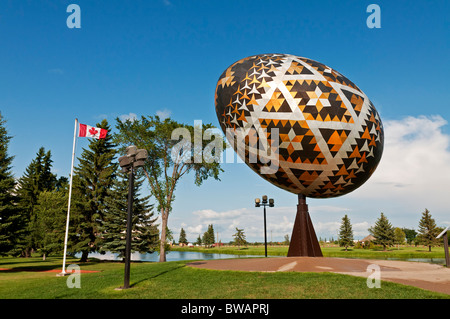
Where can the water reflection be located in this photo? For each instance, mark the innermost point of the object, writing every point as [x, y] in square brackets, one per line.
[440, 261]
[195, 255]
[170, 256]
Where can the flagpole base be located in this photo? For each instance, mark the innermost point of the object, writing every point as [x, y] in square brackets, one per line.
[62, 274]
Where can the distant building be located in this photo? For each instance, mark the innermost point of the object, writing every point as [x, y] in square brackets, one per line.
[368, 238]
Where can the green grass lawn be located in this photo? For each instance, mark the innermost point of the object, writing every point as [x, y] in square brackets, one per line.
[175, 280]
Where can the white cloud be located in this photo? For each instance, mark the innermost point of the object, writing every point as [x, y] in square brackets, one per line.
[163, 114]
[279, 223]
[331, 209]
[193, 230]
[209, 214]
[360, 229]
[415, 166]
[130, 116]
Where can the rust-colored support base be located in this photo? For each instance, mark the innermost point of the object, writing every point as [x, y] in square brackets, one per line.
[303, 240]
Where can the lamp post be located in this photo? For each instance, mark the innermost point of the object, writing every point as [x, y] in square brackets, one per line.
[134, 159]
[264, 203]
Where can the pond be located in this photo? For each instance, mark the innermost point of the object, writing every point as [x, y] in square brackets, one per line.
[440, 261]
[170, 256]
[194, 255]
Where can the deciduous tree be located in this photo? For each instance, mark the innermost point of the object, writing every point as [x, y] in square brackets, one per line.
[410, 235]
[399, 235]
[51, 212]
[174, 150]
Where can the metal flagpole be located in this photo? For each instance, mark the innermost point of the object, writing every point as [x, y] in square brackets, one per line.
[63, 272]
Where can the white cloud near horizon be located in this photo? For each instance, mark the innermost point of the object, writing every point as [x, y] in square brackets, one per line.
[415, 166]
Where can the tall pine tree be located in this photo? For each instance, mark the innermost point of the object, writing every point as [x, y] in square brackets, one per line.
[182, 239]
[36, 179]
[12, 224]
[145, 233]
[427, 230]
[208, 236]
[383, 232]
[346, 233]
[93, 176]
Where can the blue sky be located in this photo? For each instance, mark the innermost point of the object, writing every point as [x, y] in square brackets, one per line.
[143, 57]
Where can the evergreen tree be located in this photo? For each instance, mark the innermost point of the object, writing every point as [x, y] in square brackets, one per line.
[208, 236]
[427, 230]
[198, 241]
[36, 179]
[12, 224]
[93, 176]
[239, 238]
[182, 239]
[383, 232]
[144, 232]
[346, 233]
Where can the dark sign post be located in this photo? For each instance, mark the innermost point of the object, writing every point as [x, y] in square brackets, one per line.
[264, 203]
[445, 237]
[134, 159]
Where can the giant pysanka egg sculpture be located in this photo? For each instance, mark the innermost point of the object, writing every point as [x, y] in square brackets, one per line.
[306, 128]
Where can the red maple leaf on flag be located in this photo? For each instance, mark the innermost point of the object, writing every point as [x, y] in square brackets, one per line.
[93, 131]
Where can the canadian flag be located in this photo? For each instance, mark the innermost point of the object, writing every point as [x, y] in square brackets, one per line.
[89, 131]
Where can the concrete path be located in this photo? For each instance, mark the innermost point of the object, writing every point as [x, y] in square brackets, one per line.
[423, 275]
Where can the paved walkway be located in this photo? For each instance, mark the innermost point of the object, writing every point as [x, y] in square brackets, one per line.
[419, 274]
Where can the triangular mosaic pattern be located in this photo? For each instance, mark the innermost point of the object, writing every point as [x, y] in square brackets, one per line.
[330, 136]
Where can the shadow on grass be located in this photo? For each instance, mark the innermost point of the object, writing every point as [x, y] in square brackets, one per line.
[158, 274]
[39, 265]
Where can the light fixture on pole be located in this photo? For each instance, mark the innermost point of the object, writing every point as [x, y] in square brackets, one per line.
[134, 159]
[264, 203]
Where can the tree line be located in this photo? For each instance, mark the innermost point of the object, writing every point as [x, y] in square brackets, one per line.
[386, 235]
[33, 208]
[208, 240]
